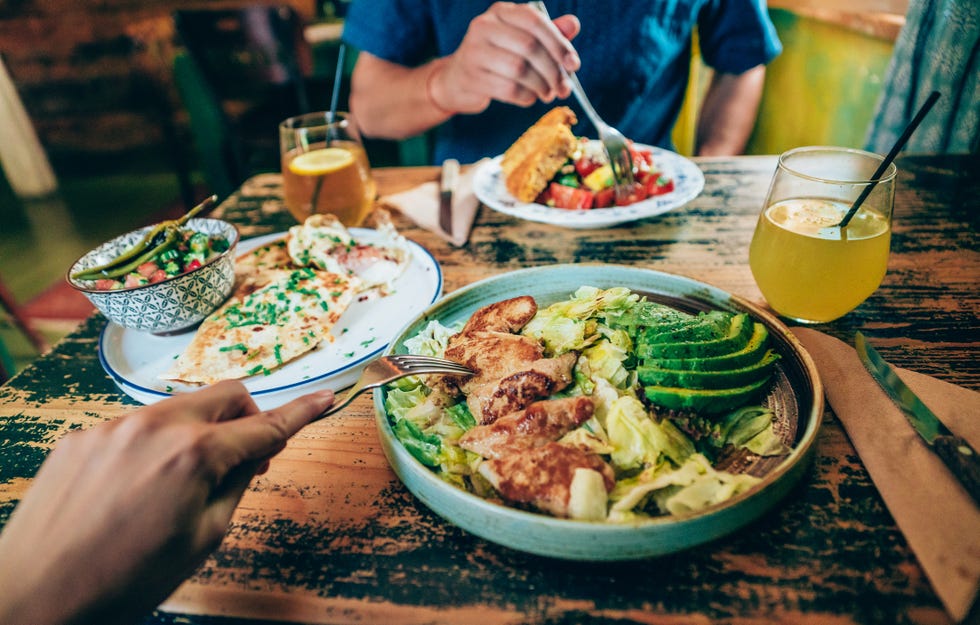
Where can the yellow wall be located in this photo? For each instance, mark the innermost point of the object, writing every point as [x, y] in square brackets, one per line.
[822, 90]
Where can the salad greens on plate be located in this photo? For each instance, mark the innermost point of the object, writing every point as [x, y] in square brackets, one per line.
[673, 394]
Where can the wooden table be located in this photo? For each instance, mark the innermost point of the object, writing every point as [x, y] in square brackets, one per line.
[329, 535]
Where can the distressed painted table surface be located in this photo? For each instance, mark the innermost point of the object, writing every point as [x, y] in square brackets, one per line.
[329, 535]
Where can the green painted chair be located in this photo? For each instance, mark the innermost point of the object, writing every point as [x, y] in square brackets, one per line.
[239, 73]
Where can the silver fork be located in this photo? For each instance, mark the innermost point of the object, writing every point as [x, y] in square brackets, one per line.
[390, 368]
[613, 141]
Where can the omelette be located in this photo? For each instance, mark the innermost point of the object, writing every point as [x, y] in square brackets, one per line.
[259, 331]
[288, 295]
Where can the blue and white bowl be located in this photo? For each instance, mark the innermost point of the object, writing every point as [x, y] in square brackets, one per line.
[175, 304]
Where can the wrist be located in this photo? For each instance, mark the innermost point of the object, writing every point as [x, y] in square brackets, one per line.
[436, 68]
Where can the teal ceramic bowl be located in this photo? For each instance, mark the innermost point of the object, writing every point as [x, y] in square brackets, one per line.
[796, 398]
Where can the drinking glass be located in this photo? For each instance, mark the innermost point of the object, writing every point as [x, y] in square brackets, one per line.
[325, 168]
[808, 268]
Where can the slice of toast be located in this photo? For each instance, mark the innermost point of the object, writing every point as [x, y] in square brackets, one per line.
[537, 155]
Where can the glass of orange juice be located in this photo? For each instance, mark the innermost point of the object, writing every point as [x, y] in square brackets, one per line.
[808, 268]
[325, 168]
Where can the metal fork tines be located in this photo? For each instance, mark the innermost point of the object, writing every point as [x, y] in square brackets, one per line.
[390, 368]
[613, 141]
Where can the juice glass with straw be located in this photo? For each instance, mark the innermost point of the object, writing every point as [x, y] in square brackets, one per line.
[325, 168]
[808, 267]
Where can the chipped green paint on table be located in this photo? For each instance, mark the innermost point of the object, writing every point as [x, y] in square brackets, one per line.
[329, 535]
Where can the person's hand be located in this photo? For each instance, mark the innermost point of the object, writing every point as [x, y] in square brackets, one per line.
[511, 53]
[120, 514]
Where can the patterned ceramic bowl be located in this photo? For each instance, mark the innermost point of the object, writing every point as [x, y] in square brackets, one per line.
[174, 304]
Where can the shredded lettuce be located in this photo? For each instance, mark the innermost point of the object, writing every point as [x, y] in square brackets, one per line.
[639, 441]
[659, 469]
[572, 324]
[692, 486]
[431, 341]
[750, 428]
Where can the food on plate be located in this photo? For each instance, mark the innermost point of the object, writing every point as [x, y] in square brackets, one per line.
[586, 181]
[288, 296]
[549, 165]
[168, 249]
[511, 369]
[604, 407]
[266, 328]
[537, 155]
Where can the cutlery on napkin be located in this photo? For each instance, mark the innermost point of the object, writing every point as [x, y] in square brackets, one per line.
[421, 205]
[935, 514]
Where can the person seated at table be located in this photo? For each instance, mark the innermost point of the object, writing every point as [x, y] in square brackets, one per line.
[118, 515]
[932, 55]
[484, 72]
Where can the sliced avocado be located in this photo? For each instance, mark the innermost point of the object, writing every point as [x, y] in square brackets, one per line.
[706, 401]
[736, 338]
[733, 378]
[704, 327]
[753, 351]
[650, 314]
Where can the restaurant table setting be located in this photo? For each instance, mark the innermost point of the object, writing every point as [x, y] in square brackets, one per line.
[429, 203]
[863, 523]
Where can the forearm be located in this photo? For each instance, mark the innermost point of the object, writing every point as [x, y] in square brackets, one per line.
[390, 101]
[729, 112]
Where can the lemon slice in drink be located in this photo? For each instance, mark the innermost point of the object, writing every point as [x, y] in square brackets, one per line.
[321, 161]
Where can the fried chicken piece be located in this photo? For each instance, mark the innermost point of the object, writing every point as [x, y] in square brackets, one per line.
[542, 476]
[541, 378]
[510, 369]
[511, 372]
[509, 315]
[540, 423]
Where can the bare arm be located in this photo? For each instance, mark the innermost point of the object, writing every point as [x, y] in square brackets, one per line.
[118, 515]
[511, 53]
[729, 112]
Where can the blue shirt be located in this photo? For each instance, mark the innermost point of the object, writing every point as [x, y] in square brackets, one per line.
[640, 96]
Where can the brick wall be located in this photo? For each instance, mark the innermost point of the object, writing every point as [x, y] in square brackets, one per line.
[94, 75]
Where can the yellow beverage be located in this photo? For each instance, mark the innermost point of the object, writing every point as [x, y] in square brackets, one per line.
[810, 270]
[335, 180]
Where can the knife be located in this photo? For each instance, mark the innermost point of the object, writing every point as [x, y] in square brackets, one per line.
[961, 459]
[447, 186]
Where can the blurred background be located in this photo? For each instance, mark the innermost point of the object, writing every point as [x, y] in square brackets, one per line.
[141, 109]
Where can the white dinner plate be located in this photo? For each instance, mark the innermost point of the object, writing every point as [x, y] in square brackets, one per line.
[489, 187]
[135, 360]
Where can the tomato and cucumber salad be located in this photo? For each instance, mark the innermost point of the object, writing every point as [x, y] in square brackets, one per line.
[189, 251]
[586, 180]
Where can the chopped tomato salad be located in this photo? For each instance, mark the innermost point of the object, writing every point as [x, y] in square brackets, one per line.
[586, 180]
[190, 251]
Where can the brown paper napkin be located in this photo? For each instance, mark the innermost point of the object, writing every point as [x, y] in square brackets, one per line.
[421, 205]
[935, 514]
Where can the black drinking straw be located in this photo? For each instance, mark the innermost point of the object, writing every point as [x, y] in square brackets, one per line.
[899, 144]
[338, 72]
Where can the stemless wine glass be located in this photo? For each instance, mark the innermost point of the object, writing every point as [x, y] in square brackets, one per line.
[808, 268]
[325, 168]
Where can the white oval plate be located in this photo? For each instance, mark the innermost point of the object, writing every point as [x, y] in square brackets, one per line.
[489, 187]
[796, 397]
[135, 360]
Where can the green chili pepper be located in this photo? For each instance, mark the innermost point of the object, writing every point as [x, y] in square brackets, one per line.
[143, 246]
[115, 272]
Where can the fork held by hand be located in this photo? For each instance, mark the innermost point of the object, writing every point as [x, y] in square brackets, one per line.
[612, 140]
[390, 368]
